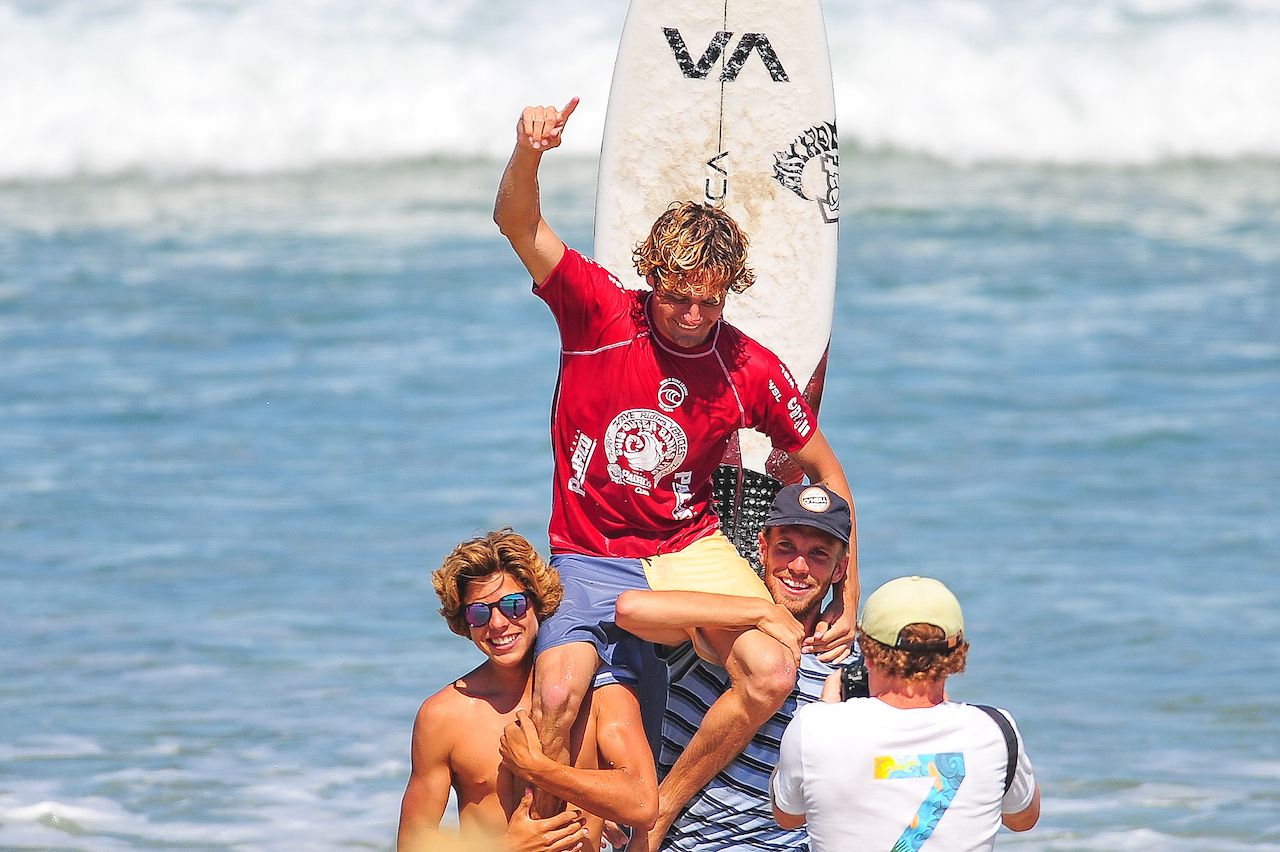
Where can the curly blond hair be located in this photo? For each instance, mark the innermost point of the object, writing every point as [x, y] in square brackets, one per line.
[915, 665]
[500, 552]
[695, 250]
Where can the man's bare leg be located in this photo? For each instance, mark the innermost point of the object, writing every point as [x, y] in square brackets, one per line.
[762, 673]
[561, 677]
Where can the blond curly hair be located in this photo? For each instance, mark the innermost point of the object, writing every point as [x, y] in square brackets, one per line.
[695, 250]
[915, 665]
[500, 552]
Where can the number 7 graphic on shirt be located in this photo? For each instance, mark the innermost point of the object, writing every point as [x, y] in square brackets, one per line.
[947, 770]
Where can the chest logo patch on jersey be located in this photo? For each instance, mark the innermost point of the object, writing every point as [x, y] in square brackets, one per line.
[643, 446]
[671, 393]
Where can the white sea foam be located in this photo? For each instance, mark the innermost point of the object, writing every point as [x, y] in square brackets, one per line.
[281, 806]
[1070, 82]
[258, 85]
[97, 87]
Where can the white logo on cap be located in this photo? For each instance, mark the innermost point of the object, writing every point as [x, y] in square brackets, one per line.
[815, 499]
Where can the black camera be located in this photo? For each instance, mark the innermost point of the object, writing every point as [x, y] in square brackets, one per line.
[853, 681]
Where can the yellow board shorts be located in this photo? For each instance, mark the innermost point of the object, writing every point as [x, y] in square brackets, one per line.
[592, 585]
[710, 564]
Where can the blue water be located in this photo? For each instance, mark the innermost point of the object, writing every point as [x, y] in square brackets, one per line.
[243, 418]
[264, 359]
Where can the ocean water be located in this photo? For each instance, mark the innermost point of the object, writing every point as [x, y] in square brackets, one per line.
[164, 86]
[264, 359]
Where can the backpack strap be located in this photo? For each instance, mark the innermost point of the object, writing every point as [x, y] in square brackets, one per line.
[1010, 741]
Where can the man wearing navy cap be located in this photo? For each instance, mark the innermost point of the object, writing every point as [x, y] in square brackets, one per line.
[804, 548]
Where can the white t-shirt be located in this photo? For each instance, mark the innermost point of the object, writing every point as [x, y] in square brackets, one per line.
[868, 776]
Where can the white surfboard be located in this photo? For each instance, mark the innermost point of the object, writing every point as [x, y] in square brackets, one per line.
[731, 102]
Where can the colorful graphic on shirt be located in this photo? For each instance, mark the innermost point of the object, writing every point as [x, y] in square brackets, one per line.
[643, 446]
[947, 770]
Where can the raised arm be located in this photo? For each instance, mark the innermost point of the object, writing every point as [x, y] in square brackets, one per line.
[667, 618]
[518, 209]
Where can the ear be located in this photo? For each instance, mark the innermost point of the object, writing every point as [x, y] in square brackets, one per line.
[842, 568]
[763, 556]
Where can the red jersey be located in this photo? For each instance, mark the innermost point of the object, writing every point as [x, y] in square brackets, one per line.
[639, 424]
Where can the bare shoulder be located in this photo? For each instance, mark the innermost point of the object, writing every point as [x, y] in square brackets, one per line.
[441, 714]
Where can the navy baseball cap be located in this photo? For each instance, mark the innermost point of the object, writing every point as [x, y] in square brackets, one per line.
[811, 506]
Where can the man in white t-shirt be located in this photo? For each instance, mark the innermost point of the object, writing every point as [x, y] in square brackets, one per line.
[905, 768]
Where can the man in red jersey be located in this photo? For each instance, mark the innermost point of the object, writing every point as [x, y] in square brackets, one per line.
[653, 385]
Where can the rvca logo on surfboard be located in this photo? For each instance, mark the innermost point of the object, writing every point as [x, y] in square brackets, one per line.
[749, 42]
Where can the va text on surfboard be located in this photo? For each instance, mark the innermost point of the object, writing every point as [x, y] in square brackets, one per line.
[758, 42]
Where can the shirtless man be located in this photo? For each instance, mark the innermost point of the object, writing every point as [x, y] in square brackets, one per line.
[653, 386]
[495, 591]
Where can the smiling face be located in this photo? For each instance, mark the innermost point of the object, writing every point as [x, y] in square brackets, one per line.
[800, 564]
[505, 641]
[686, 314]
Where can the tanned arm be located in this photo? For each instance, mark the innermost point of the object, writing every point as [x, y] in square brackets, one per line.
[667, 618]
[427, 794]
[625, 792]
[1024, 819]
[786, 820]
[518, 209]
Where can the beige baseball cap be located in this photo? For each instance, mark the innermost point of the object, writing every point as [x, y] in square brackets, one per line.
[912, 600]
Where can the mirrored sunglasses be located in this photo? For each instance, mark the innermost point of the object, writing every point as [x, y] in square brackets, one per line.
[512, 606]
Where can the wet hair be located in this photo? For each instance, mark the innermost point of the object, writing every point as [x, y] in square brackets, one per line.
[700, 244]
[915, 665]
[500, 552]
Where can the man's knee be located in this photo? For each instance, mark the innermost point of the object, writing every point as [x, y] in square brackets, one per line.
[766, 674]
[770, 688]
[561, 678]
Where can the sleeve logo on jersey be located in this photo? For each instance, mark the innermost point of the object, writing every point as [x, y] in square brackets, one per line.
[748, 42]
[643, 446]
[798, 417]
[613, 278]
[671, 393]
